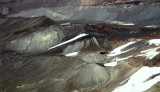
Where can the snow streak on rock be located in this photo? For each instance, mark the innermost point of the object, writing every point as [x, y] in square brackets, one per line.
[72, 54]
[150, 53]
[68, 41]
[111, 64]
[118, 51]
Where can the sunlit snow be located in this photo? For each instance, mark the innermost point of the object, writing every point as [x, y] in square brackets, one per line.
[138, 81]
[72, 54]
[154, 41]
[150, 53]
[68, 41]
[118, 51]
[111, 64]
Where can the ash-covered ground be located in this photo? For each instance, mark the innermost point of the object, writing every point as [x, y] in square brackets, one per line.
[79, 46]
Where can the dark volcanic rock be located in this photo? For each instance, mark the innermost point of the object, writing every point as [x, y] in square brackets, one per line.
[12, 27]
[80, 46]
[38, 74]
[42, 55]
[146, 12]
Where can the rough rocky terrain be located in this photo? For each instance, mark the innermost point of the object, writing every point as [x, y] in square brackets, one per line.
[91, 46]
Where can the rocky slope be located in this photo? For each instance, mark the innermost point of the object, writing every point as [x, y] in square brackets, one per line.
[76, 56]
[109, 46]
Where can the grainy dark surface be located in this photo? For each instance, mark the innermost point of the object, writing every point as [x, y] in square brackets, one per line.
[79, 45]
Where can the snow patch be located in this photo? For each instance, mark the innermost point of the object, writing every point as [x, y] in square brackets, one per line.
[150, 53]
[72, 54]
[64, 24]
[118, 51]
[111, 64]
[121, 59]
[128, 24]
[152, 26]
[154, 41]
[120, 23]
[71, 40]
[138, 81]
